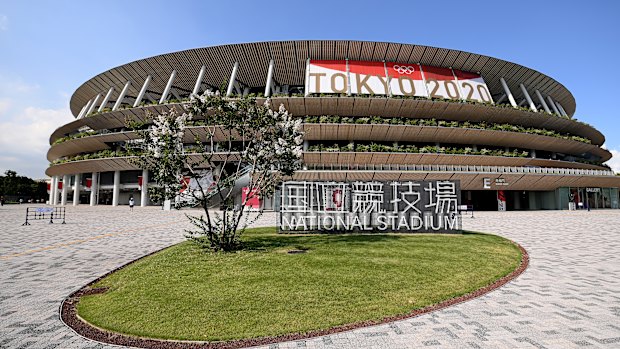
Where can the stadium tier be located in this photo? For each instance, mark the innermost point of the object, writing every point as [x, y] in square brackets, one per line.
[372, 111]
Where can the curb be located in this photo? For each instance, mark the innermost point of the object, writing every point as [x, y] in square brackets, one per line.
[68, 315]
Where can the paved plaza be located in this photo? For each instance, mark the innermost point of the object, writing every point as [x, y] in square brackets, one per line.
[569, 297]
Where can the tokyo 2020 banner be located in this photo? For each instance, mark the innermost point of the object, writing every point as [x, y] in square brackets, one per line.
[396, 79]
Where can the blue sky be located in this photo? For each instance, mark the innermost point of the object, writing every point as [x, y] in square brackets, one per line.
[49, 48]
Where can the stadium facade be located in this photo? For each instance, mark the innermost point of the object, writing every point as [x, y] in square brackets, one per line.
[373, 111]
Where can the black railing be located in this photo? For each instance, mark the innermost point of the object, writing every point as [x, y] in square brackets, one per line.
[45, 213]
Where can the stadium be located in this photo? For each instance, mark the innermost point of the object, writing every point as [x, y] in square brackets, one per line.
[372, 111]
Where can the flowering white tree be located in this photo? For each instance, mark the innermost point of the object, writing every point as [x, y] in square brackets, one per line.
[161, 151]
[235, 139]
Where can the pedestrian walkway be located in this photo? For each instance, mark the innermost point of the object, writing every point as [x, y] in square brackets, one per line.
[568, 298]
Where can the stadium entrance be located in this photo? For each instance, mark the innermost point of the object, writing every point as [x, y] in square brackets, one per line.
[565, 198]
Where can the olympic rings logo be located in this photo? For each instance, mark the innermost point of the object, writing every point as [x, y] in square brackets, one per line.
[402, 69]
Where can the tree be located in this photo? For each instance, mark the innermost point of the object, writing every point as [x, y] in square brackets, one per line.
[243, 140]
[16, 186]
[161, 151]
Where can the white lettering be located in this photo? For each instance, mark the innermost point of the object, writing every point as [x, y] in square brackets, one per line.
[332, 223]
[452, 221]
[486, 183]
[402, 223]
[370, 206]
[383, 222]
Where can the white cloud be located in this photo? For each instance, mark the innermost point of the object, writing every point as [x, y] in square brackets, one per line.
[5, 104]
[4, 22]
[26, 123]
[24, 139]
[16, 86]
[28, 132]
[614, 162]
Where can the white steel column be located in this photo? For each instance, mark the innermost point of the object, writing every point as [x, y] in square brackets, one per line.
[117, 188]
[82, 111]
[176, 95]
[55, 198]
[561, 109]
[233, 78]
[144, 193]
[528, 98]
[94, 187]
[65, 186]
[458, 86]
[121, 96]
[428, 95]
[508, 93]
[307, 85]
[269, 79]
[542, 101]
[86, 107]
[201, 75]
[348, 79]
[387, 77]
[92, 106]
[76, 190]
[164, 96]
[53, 187]
[106, 99]
[555, 109]
[565, 113]
[557, 104]
[142, 91]
[52, 182]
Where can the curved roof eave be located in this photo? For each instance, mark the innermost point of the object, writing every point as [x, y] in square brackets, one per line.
[290, 59]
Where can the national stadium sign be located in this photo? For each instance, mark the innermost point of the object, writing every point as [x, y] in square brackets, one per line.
[410, 206]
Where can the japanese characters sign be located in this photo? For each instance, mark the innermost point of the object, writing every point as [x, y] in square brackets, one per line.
[411, 206]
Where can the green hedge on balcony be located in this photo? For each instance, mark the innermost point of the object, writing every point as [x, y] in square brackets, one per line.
[382, 148]
[335, 119]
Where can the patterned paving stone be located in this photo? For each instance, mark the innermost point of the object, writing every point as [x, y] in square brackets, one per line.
[568, 298]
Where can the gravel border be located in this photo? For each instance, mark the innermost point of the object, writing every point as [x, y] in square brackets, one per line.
[68, 315]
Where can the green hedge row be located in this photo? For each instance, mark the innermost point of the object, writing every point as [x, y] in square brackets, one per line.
[382, 148]
[260, 95]
[96, 155]
[335, 119]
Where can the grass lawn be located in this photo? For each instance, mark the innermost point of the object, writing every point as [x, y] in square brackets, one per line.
[185, 293]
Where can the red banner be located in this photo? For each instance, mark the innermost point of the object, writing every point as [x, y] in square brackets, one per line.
[184, 183]
[59, 185]
[251, 199]
[501, 200]
[394, 78]
[140, 182]
[89, 182]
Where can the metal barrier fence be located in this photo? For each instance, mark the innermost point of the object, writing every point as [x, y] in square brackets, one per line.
[457, 168]
[467, 209]
[45, 213]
